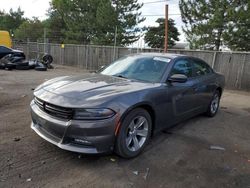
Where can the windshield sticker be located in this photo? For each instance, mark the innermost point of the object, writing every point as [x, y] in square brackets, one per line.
[167, 60]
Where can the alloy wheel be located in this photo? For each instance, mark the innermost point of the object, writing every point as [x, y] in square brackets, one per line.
[215, 104]
[137, 133]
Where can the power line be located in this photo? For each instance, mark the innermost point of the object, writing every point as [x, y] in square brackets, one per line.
[162, 1]
[160, 15]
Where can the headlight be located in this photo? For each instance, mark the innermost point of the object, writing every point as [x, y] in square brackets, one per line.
[93, 114]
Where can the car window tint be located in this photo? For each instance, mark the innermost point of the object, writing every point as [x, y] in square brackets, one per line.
[200, 68]
[182, 67]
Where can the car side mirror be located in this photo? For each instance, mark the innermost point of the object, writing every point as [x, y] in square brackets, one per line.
[181, 78]
[100, 68]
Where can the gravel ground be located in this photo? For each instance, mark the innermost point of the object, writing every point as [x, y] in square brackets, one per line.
[180, 157]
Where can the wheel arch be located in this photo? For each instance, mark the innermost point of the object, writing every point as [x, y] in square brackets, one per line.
[220, 90]
[146, 106]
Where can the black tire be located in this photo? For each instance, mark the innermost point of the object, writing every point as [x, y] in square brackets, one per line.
[22, 63]
[10, 66]
[47, 59]
[122, 148]
[40, 68]
[2, 66]
[22, 67]
[212, 110]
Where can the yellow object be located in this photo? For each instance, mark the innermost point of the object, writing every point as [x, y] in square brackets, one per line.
[62, 45]
[5, 39]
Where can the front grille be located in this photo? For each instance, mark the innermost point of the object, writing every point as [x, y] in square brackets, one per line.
[39, 103]
[54, 110]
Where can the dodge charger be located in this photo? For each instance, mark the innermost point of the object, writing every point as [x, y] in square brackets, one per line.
[123, 105]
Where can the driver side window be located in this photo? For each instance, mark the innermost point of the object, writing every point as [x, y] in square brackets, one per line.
[182, 66]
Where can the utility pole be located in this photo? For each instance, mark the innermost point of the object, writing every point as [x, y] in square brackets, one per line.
[166, 29]
[115, 43]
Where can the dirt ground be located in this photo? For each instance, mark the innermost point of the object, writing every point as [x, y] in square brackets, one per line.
[181, 157]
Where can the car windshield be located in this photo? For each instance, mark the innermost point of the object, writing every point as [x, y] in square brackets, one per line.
[149, 69]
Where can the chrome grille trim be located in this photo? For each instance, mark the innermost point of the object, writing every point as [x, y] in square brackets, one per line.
[54, 110]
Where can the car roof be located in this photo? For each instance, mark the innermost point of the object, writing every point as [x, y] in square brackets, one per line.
[167, 55]
[5, 47]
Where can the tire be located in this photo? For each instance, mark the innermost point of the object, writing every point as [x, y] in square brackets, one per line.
[40, 68]
[214, 104]
[130, 142]
[2, 66]
[47, 59]
[22, 63]
[22, 67]
[10, 66]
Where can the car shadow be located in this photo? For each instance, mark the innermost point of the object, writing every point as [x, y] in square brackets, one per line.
[156, 140]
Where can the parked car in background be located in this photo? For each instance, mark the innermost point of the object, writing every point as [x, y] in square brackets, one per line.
[5, 39]
[6, 51]
[121, 107]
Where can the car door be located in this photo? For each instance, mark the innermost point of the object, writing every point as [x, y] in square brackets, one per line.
[205, 87]
[183, 95]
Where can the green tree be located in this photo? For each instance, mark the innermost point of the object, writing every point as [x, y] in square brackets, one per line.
[205, 22]
[106, 21]
[77, 18]
[155, 36]
[12, 20]
[95, 21]
[238, 35]
[30, 29]
[129, 17]
[56, 26]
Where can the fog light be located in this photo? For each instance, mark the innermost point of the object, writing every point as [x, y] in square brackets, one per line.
[81, 141]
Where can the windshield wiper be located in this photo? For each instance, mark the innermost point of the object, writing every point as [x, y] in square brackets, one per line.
[120, 76]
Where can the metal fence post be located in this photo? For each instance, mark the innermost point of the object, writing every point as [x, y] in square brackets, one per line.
[37, 49]
[86, 57]
[78, 56]
[28, 48]
[48, 46]
[62, 55]
[214, 58]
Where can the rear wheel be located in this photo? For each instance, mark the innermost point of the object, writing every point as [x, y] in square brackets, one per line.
[134, 133]
[214, 105]
[40, 68]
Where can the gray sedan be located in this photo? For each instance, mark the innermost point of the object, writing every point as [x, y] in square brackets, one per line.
[122, 106]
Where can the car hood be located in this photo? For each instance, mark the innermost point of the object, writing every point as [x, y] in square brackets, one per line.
[87, 89]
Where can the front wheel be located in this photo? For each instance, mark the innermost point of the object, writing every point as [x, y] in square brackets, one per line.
[214, 105]
[134, 133]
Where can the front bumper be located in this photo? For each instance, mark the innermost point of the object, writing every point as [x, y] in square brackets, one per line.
[89, 137]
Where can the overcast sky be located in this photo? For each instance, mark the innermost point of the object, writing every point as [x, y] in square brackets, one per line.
[38, 8]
